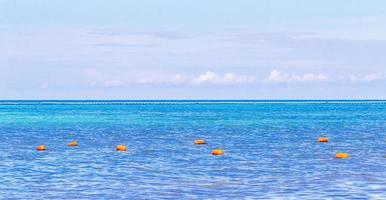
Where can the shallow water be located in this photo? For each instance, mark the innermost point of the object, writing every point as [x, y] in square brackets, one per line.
[270, 150]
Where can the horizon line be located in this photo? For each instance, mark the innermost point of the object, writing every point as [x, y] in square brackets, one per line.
[181, 102]
[193, 99]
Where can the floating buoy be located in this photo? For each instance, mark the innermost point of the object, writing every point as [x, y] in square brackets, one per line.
[73, 144]
[199, 142]
[342, 155]
[41, 148]
[323, 139]
[217, 152]
[121, 148]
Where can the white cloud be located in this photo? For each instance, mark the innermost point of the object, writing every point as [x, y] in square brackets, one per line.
[374, 77]
[207, 77]
[360, 78]
[278, 76]
[227, 78]
[178, 78]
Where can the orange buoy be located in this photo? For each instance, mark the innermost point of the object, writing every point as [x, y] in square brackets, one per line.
[41, 148]
[342, 155]
[199, 142]
[73, 144]
[121, 148]
[323, 139]
[217, 152]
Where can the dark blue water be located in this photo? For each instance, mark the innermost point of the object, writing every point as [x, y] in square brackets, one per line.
[270, 150]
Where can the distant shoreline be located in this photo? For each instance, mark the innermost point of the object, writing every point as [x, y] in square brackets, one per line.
[171, 102]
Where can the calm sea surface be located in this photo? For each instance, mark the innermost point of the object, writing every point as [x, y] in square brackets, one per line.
[270, 150]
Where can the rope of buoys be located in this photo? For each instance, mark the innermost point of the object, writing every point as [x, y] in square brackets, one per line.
[215, 152]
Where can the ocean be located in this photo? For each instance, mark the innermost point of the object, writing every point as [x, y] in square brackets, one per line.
[270, 149]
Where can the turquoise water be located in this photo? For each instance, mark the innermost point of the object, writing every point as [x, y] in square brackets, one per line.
[270, 150]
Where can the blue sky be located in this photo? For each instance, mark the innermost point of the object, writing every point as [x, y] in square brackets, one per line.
[179, 49]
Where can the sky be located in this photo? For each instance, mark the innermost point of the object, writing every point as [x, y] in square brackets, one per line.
[192, 49]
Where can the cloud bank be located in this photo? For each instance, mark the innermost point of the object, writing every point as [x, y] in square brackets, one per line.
[227, 78]
[126, 78]
[278, 76]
